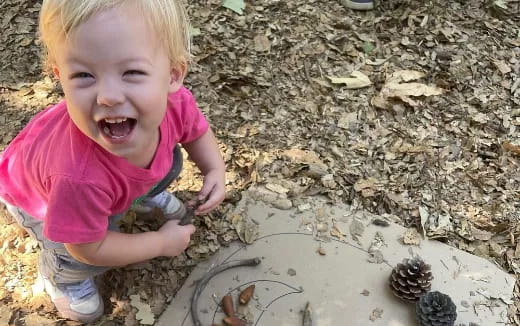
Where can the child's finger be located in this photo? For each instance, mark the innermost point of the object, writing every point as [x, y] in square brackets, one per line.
[212, 202]
[216, 197]
[206, 207]
[206, 190]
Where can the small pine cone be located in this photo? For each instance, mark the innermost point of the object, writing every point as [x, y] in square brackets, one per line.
[411, 279]
[436, 309]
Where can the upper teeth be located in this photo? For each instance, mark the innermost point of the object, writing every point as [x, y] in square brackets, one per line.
[115, 120]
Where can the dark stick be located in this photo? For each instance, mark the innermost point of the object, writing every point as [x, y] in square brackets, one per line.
[190, 213]
[201, 285]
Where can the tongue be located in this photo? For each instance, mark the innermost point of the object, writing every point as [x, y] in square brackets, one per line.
[119, 129]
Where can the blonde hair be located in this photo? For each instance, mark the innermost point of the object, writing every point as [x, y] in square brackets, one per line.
[168, 18]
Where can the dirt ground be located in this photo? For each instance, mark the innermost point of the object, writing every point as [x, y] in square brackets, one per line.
[422, 128]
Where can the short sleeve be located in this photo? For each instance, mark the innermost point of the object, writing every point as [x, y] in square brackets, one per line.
[189, 122]
[77, 212]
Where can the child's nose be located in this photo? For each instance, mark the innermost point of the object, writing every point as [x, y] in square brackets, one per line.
[109, 94]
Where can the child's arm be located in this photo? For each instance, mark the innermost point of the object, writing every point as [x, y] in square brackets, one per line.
[120, 249]
[205, 153]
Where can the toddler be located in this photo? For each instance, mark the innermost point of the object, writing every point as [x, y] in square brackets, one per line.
[111, 143]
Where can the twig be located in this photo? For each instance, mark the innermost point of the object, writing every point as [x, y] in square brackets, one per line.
[190, 213]
[204, 281]
[307, 315]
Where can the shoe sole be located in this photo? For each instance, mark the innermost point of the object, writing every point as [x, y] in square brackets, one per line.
[62, 305]
[64, 310]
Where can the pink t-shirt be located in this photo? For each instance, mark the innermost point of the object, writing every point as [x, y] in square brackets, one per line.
[55, 173]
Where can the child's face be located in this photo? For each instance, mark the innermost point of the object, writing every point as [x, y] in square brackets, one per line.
[116, 77]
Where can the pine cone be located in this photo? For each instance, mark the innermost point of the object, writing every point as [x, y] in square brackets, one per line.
[411, 279]
[436, 309]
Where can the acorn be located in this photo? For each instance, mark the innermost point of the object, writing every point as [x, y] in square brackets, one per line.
[234, 321]
[227, 306]
[246, 295]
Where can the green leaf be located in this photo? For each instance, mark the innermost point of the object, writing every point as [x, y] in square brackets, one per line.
[368, 47]
[237, 6]
[500, 4]
[195, 31]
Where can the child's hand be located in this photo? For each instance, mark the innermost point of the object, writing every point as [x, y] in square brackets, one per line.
[175, 238]
[212, 192]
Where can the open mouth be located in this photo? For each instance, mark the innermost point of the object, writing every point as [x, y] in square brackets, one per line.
[116, 128]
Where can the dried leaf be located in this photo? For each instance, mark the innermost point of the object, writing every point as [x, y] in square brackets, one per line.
[376, 314]
[358, 80]
[356, 229]
[337, 233]
[5, 315]
[404, 76]
[367, 187]
[262, 43]
[425, 216]
[34, 319]
[398, 86]
[404, 90]
[347, 119]
[296, 155]
[511, 147]
[411, 237]
[502, 66]
[481, 234]
[246, 229]
[277, 188]
[144, 312]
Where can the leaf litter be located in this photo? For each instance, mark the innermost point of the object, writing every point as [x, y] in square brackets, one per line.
[432, 143]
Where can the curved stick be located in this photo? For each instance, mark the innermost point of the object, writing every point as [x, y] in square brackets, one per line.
[204, 281]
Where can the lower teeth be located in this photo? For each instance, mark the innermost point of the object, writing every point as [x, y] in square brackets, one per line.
[107, 132]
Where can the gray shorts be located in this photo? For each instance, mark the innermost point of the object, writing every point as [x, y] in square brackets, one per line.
[55, 262]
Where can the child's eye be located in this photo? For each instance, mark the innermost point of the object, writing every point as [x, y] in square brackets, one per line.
[81, 75]
[134, 72]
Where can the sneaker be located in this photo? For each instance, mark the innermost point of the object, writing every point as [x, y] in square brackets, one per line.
[76, 301]
[172, 207]
[359, 4]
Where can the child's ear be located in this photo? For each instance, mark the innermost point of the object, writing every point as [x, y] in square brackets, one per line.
[177, 75]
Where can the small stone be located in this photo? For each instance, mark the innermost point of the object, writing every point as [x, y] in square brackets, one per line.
[283, 204]
[304, 207]
[291, 272]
